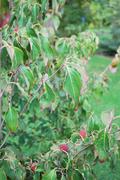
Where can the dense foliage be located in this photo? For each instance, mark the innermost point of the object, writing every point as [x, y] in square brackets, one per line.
[49, 130]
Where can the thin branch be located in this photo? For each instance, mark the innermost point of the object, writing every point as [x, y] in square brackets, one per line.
[4, 141]
[83, 150]
[39, 87]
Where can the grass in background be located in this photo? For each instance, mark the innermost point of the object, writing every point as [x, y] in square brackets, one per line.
[111, 98]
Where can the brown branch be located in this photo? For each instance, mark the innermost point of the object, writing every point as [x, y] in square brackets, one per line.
[10, 4]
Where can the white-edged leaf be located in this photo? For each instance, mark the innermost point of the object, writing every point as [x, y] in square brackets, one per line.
[10, 51]
[35, 47]
[22, 90]
[28, 76]
[49, 94]
[73, 83]
[46, 47]
[107, 118]
[18, 57]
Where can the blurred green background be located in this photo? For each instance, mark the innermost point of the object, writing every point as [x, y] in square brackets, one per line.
[100, 16]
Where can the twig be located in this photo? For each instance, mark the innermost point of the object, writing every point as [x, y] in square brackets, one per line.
[116, 117]
[39, 87]
[4, 140]
[82, 150]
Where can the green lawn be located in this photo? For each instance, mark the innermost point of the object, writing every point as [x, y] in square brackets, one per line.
[111, 98]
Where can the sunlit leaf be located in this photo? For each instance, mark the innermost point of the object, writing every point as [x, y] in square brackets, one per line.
[35, 11]
[49, 93]
[50, 176]
[73, 83]
[35, 47]
[102, 144]
[28, 76]
[44, 5]
[18, 57]
[11, 119]
[47, 49]
[10, 51]
[2, 175]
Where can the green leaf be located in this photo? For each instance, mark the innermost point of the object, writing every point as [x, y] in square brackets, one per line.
[94, 124]
[50, 176]
[31, 32]
[102, 144]
[22, 90]
[2, 175]
[73, 84]
[10, 50]
[44, 5]
[50, 95]
[35, 47]
[35, 11]
[63, 177]
[28, 76]
[62, 48]
[47, 49]
[18, 57]
[86, 106]
[11, 119]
